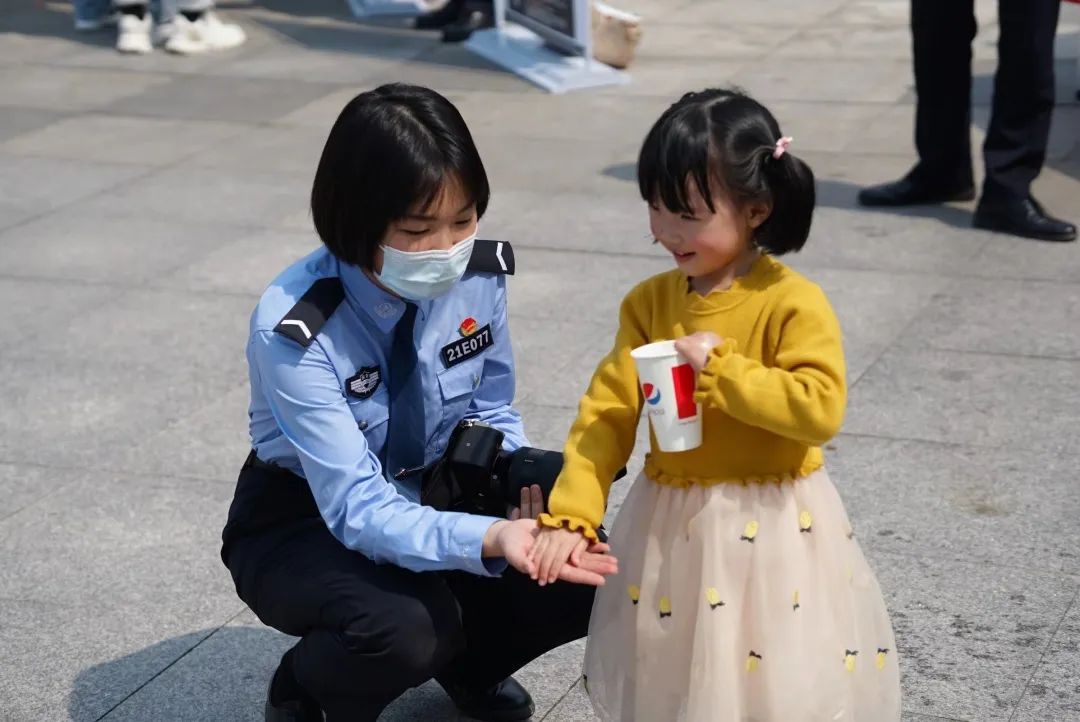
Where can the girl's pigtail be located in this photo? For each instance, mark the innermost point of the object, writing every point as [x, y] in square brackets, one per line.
[791, 186]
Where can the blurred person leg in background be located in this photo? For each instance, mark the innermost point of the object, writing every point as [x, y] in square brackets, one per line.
[93, 15]
[1016, 140]
[458, 19]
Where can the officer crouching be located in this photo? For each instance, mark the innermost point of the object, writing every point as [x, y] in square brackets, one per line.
[365, 357]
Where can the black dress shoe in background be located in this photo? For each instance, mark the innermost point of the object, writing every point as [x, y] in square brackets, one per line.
[507, 701]
[1022, 217]
[449, 13]
[476, 17]
[910, 191]
[292, 710]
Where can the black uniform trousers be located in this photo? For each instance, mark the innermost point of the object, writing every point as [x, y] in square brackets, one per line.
[371, 631]
[1015, 147]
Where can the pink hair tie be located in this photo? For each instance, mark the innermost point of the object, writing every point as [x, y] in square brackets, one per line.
[781, 147]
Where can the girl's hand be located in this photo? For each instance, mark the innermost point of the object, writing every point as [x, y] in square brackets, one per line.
[553, 548]
[696, 347]
[596, 561]
[514, 540]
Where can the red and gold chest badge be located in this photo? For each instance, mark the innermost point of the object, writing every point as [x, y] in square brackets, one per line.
[468, 326]
[474, 339]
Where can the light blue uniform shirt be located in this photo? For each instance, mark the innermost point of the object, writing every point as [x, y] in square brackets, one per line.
[303, 419]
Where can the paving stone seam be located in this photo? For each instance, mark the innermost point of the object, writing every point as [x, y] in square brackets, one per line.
[1046, 650]
[80, 474]
[167, 667]
[150, 285]
[928, 554]
[938, 442]
[106, 115]
[561, 699]
[890, 345]
[150, 172]
[35, 502]
[919, 555]
[1006, 354]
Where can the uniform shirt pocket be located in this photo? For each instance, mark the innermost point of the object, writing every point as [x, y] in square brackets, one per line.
[460, 381]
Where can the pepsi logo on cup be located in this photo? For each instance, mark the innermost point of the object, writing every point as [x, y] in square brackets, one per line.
[652, 394]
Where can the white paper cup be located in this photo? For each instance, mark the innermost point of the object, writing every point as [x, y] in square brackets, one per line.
[668, 382]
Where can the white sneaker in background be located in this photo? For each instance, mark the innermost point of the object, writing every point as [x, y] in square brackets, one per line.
[133, 35]
[202, 35]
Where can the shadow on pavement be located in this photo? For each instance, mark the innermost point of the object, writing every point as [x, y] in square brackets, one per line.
[213, 674]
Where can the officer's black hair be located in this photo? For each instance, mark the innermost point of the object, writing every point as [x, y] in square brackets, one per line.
[723, 141]
[392, 150]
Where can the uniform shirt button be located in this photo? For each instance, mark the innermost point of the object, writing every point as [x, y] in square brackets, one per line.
[362, 425]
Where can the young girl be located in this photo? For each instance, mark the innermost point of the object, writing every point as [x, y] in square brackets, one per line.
[742, 594]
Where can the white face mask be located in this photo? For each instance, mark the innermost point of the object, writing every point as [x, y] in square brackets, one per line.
[422, 275]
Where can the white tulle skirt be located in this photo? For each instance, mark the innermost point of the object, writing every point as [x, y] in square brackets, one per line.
[740, 603]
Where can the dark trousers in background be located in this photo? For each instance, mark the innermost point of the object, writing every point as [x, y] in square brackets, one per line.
[1015, 147]
[369, 631]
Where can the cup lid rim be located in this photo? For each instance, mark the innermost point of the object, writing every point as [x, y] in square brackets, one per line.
[655, 350]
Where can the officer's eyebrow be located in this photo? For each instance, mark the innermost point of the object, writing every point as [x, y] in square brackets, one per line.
[421, 217]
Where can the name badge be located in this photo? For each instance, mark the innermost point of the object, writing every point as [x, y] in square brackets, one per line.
[464, 349]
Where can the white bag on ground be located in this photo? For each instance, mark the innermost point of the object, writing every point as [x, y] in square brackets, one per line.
[615, 35]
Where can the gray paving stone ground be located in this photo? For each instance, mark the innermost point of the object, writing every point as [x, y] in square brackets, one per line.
[145, 202]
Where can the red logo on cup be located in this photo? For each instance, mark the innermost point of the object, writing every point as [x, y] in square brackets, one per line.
[683, 377]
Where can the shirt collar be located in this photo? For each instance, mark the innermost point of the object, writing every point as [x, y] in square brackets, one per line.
[384, 308]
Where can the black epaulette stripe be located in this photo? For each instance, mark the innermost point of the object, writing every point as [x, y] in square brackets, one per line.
[492, 257]
[304, 321]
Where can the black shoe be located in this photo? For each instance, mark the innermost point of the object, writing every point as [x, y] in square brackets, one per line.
[507, 701]
[910, 192]
[1022, 217]
[448, 13]
[286, 701]
[463, 29]
[293, 710]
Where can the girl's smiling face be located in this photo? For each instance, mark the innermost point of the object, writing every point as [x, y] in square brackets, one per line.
[706, 243]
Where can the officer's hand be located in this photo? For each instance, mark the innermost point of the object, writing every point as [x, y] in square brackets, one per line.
[512, 540]
[532, 504]
[553, 548]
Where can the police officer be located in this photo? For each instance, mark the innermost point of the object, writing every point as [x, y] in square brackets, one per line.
[363, 357]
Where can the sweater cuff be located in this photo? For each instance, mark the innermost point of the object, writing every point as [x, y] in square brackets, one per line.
[573, 523]
[714, 369]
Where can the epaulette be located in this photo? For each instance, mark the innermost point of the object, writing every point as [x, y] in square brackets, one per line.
[304, 321]
[492, 257]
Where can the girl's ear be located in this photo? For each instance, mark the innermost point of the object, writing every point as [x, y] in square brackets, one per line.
[757, 213]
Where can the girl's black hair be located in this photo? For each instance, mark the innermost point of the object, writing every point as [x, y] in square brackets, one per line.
[392, 150]
[723, 140]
